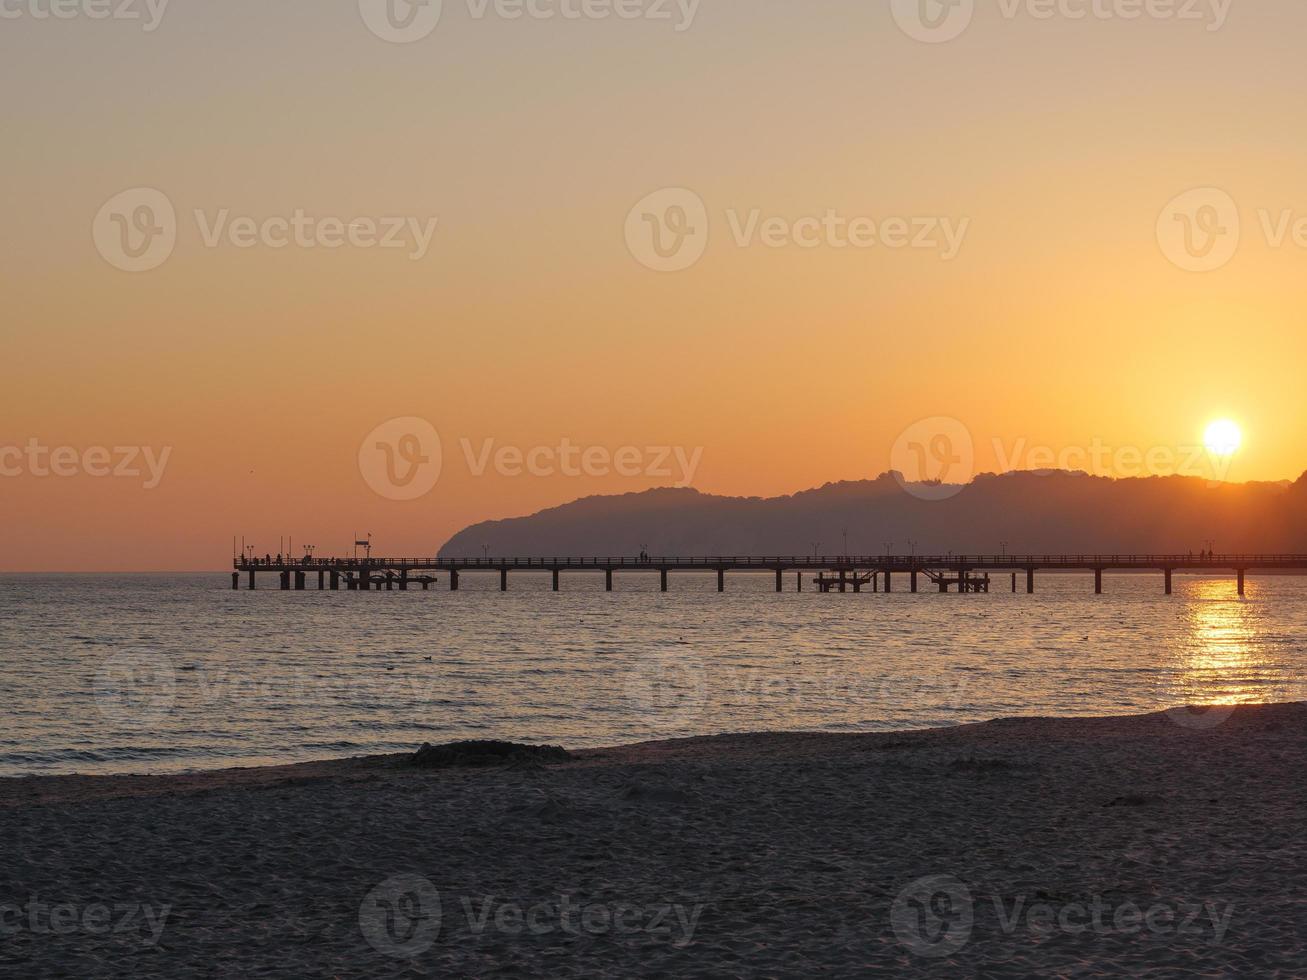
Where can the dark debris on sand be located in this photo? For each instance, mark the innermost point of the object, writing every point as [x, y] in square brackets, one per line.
[486, 753]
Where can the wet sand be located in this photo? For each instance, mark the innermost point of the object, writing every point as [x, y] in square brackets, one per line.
[1162, 845]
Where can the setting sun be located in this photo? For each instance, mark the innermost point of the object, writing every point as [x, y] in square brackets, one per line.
[1223, 437]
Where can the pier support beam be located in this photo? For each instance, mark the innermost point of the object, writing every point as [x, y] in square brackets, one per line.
[364, 580]
[608, 580]
[252, 585]
[1030, 581]
[1243, 585]
[914, 582]
[889, 581]
[285, 581]
[556, 582]
[335, 581]
[453, 580]
[780, 585]
[798, 581]
[1014, 583]
[721, 580]
[403, 581]
[299, 581]
[503, 580]
[322, 580]
[235, 581]
[1169, 588]
[662, 575]
[1098, 581]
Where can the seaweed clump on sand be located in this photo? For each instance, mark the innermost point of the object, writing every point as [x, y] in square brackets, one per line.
[486, 753]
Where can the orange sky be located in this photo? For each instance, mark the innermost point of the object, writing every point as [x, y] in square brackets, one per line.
[1062, 320]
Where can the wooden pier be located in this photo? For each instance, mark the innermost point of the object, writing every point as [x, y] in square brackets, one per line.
[960, 573]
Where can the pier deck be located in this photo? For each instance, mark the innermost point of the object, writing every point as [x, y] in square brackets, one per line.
[941, 570]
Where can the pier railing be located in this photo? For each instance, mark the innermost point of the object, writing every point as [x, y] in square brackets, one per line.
[851, 570]
[1084, 561]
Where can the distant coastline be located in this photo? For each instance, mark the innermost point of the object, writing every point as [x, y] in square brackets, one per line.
[1052, 512]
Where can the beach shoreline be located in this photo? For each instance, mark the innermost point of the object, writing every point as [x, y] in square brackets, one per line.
[1004, 847]
[39, 788]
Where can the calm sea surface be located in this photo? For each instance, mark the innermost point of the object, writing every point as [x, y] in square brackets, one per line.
[153, 673]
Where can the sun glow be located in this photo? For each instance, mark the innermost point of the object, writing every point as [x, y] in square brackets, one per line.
[1223, 437]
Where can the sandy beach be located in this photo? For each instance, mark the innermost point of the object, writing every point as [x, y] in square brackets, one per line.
[1163, 845]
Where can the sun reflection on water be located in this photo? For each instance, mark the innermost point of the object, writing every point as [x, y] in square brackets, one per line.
[1220, 660]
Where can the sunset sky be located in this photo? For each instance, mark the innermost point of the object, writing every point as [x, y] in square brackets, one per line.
[1065, 318]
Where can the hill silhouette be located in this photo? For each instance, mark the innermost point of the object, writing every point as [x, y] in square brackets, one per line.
[1034, 513]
